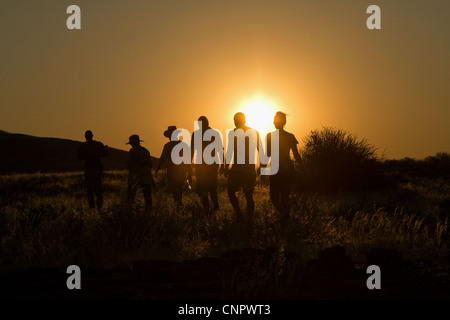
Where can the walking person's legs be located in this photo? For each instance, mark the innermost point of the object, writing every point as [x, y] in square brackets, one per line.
[98, 190]
[147, 191]
[214, 197]
[131, 190]
[275, 193]
[89, 182]
[248, 186]
[233, 187]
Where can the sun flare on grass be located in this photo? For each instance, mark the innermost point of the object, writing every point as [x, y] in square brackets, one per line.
[259, 114]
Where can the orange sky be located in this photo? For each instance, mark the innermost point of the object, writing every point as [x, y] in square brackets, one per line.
[140, 66]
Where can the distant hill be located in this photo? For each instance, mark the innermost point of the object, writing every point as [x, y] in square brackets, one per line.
[22, 153]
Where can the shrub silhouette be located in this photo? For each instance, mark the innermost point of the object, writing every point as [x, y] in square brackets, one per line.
[334, 159]
[438, 165]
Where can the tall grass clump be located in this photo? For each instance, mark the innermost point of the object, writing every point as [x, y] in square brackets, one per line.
[334, 159]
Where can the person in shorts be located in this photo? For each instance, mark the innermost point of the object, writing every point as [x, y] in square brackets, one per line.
[280, 183]
[205, 174]
[242, 176]
[176, 173]
[139, 164]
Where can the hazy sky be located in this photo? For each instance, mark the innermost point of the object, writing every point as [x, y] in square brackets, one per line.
[140, 66]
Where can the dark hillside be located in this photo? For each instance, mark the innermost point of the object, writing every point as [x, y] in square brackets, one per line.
[22, 153]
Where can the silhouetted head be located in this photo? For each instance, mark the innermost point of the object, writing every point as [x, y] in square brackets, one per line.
[134, 140]
[239, 119]
[88, 135]
[168, 132]
[204, 121]
[279, 120]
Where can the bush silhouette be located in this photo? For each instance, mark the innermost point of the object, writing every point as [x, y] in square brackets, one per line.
[334, 159]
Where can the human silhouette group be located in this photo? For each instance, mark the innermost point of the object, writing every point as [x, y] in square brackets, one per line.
[240, 176]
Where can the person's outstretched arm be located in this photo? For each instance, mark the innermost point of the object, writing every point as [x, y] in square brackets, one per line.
[104, 150]
[295, 152]
[268, 148]
[162, 159]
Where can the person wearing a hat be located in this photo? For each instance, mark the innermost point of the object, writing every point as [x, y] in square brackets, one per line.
[91, 152]
[176, 173]
[140, 171]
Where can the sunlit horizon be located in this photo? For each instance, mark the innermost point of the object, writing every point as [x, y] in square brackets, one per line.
[259, 113]
[137, 67]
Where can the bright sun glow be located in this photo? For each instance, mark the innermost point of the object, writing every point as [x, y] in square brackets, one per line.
[259, 114]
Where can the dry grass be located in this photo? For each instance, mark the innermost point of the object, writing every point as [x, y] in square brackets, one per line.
[45, 221]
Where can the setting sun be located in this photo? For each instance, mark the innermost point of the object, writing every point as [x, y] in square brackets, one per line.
[259, 114]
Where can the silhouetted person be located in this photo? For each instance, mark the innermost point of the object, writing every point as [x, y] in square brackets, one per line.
[91, 152]
[140, 171]
[242, 175]
[205, 174]
[281, 182]
[176, 173]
